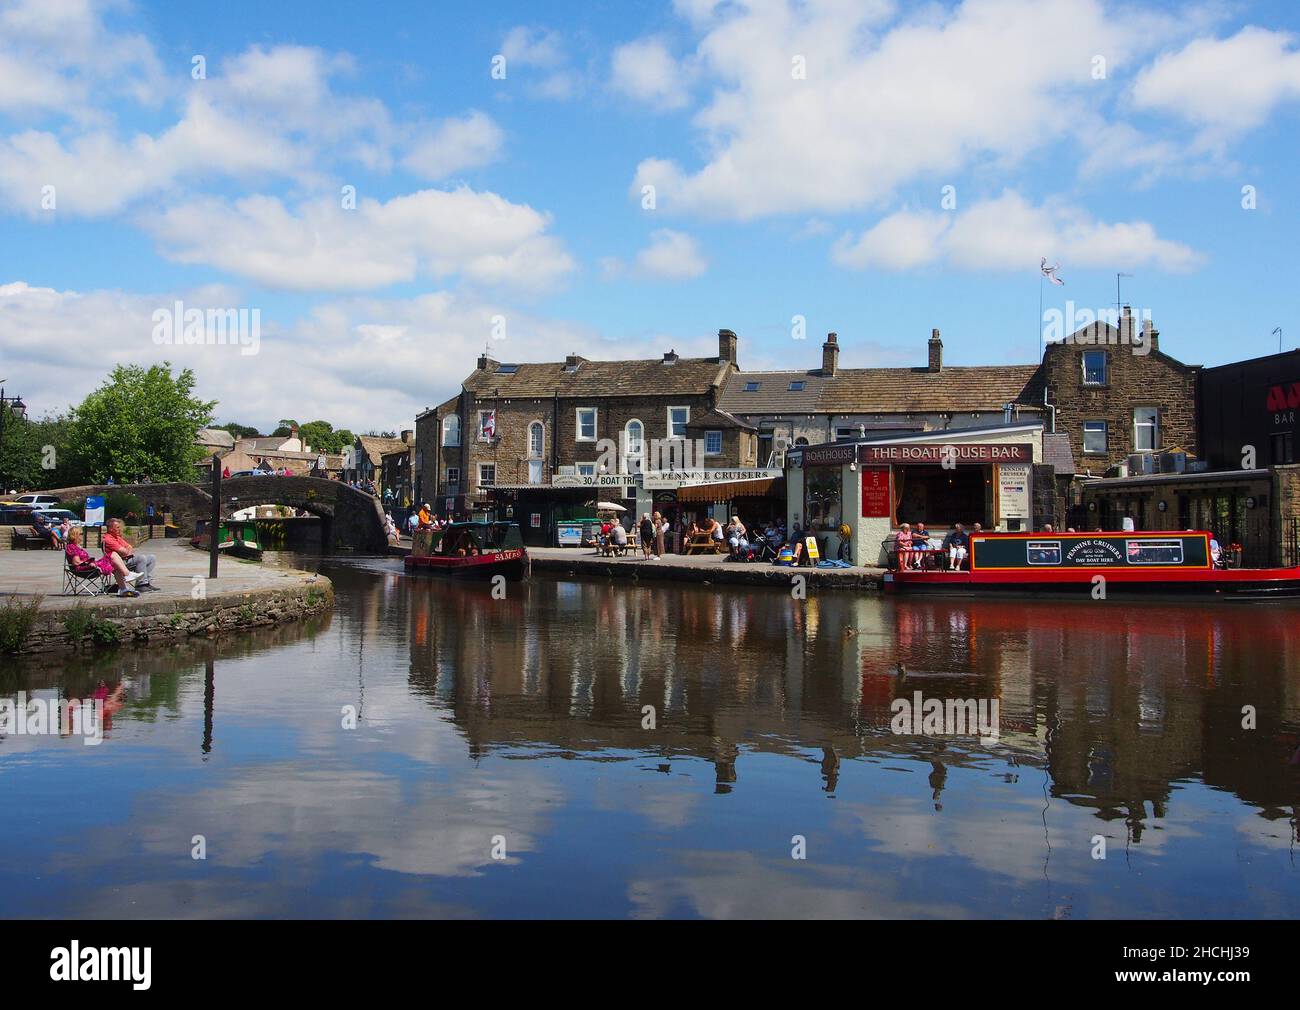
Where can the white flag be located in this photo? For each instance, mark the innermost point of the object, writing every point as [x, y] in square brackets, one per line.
[1050, 272]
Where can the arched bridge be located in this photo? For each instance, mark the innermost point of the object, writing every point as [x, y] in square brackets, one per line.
[354, 520]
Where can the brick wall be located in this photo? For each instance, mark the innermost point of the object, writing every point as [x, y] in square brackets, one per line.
[1132, 380]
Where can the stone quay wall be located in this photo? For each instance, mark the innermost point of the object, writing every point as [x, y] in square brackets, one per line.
[147, 620]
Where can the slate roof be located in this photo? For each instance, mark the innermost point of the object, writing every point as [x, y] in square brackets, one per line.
[917, 390]
[217, 437]
[773, 395]
[883, 390]
[375, 446]
[601, 378]
[1057, 453]
[706, 419]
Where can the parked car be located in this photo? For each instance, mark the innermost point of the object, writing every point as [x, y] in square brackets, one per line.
[57, 516]
[33, 499]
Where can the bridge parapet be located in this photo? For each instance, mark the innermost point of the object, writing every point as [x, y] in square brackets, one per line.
[354, 519]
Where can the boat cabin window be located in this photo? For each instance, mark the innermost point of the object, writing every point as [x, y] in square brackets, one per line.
[1043, 552]
[1155, 552]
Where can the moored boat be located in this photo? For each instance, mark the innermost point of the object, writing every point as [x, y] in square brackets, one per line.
[236, 536]
[1162, 562]
[470, 550]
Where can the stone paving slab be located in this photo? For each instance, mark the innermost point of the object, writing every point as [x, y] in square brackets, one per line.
[29, 573]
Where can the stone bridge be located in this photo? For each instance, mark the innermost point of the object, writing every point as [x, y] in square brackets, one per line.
[353, 520]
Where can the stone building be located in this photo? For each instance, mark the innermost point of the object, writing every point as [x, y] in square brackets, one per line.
[397, 473]
[1113, 392]
[534, 437]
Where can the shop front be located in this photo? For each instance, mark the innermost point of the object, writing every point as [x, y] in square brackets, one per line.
[869, 488]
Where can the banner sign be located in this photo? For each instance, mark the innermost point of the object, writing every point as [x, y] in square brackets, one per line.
[682, 478]
[959, 453]
[875, 492]
[94, 511]
[824, 455]
[1013, 492]
[592, 480]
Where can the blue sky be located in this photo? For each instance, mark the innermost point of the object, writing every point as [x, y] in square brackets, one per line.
[799, 154]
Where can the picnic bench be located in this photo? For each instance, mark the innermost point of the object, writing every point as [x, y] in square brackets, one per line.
[703, 543]
[27, 537]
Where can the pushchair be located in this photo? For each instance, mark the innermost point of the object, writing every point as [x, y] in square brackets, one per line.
[764, 549]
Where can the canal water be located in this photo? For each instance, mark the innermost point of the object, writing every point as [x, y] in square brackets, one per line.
[625, 750]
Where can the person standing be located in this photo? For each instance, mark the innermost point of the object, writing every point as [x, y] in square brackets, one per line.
[660, 528]
[647, 532]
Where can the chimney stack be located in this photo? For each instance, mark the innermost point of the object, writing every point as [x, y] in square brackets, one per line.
[830, 355]
[727, 346]
[487, 363]
[670, 358]
[936, 352]
[408, 436]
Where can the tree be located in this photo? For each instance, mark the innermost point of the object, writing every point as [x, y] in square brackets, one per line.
[140, 421]
[34, 455]
[238, 431]
[322, 437]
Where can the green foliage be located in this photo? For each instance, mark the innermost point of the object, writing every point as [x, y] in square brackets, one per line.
[238, 430]
[322, 437]
[16, 619]
[81, 622]
[117, 505]
[140, 421]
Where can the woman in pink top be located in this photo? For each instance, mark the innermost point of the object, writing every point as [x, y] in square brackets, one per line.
[903, 546]
[111, 565]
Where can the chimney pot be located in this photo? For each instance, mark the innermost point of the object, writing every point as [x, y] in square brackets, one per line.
[830, 354]
[727, 346]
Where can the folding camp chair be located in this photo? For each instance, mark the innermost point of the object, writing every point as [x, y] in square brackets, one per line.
[87, 581]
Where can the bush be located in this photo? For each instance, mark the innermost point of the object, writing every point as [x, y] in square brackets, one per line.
[80, 622]
[117, 504]
[16, 619]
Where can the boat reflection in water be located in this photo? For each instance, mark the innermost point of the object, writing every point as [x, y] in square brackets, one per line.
[654, 751]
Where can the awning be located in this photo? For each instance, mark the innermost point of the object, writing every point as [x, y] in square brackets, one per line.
[765, 487]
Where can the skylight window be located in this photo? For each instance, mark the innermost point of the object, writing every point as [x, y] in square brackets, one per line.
[796, 386]
[751, 387]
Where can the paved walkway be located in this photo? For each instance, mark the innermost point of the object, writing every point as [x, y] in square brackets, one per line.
[696, 568]
[27, 573]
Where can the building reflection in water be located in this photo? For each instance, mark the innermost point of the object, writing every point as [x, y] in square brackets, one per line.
[1137, 696]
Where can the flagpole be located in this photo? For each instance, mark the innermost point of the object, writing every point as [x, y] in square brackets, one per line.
[1041, 350]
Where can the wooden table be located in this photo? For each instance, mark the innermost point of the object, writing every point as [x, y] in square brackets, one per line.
[703, 543]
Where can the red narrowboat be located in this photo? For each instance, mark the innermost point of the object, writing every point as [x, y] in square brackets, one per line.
[470, 550]
[1169, 563]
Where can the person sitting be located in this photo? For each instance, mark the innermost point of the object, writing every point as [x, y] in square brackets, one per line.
[109, 564]
[115, 542]
[42, 528]
[921, 543]
[618, 539]
[1048, 528]
[956, 544]
[903, 546]
[425, 517]
[737, 537]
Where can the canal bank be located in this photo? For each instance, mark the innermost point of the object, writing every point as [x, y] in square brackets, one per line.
[705, 570]
[185, 603]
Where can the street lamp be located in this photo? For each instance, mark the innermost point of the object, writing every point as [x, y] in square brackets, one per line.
[19, 410]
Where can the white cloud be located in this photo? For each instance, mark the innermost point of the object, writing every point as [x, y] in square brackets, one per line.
[542, 50]
[671, 255]
[455, 145]
[1010, 233]
[319, 246]
[884, 101]
[1227, 86]
[646, 71]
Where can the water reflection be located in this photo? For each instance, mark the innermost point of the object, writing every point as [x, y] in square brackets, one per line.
[652, 750]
